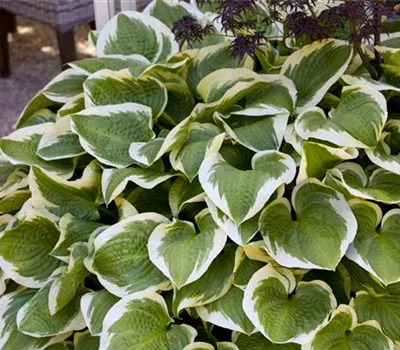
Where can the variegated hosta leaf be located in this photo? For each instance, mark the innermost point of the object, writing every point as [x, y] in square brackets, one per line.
[343, 332]
[57, 197]
[357, 121]
[35, 319]
[210, 59]
[10, 337]
[214, 284]
[25, 248]
[72, 230]
[381, 186]
[199, 346]
[317, 158]
[245, 268]
[141, 321]
[320, 235]
[125, 208]
[386, 153]
[242, 194]
[38, 102]
[188, 157]
[120, 36]
[385, 309]
[73, 105]
[258, 342]
[376, 250]
[106, 132]
[107, 87]
[95, 306]
[69, 279]
[147, 153]
[3, 278]
[182, 193]
[40, 116]
[182, 254]
[284, 312]
[135, 63]
[14, 201]
[58, 142]
[114, 181]
[20, 147]
[227, 312]
[239, 234]
[169, 12]
[120, 258]
[329, 58]
[64, 86]
[258, 133]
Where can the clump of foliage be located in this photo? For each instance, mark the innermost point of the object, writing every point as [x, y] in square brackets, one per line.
[158, 197]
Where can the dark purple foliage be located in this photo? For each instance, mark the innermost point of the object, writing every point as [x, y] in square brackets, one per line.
[188, 30]
[246, 45]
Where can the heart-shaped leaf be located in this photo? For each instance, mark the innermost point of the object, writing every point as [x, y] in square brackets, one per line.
[106, 132]
[381, 186]
[242, 194]
[182, 254]
[376, 250]
[329, 58]
[107, 87]
[141, 321]
[119, 36]
[272, 301]
[343, 332]
[347, 123]
[320, 235]
[120, 258]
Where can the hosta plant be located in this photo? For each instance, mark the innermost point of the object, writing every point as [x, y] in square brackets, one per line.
[166, 198]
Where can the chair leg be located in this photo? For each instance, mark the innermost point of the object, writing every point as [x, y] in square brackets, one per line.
[12, 23]
[4, 53]
[66, 45]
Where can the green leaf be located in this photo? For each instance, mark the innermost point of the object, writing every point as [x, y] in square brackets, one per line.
[284, 312]
[317, 158]
[357, 121]
[25, 248]
[120, 258]
[320, 235]
[65, 85]
[214, 284]
[329, 58]
[10, 337]
[182, 254]
[85, 341]
[57, 197]
[107, 87]
[376, 250]
[385, 309]
[169, 12]
[72, 230]
[183, 193]
[188, 156]
[135, 63]
[21, 146]
[95, 306]
[35, 319]
[120, 36]
[141, 321]
[381, 186]
[106, 132]
[227, 312]
[242, 194]
[198, 346]
[14, 201]
[343, 332]
[58, 142]
[73, 105]
[69, 279]
[114, 181]
[258, 342]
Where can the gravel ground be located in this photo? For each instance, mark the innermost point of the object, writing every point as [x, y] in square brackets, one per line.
[34, 61]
